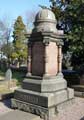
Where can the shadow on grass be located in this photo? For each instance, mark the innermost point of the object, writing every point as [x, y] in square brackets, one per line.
[19, 76]
[7, 103]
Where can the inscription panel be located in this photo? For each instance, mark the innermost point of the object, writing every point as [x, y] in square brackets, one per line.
[38, 59]
[33, 99]
[27, 98]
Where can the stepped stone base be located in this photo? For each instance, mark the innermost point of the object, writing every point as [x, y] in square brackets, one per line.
[43, 97]
[44, 113]
[44, 84]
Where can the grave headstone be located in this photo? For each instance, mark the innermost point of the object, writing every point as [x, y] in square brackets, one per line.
[8, 77]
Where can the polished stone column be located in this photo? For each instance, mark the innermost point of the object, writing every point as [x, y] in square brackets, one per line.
[45, 60]
[29, 60]
[59, 59]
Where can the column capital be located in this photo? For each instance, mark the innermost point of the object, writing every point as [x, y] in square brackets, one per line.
[59, 46]
[60, 43]
[46, 42]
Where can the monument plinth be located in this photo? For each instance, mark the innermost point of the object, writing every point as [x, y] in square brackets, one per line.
[44, 89]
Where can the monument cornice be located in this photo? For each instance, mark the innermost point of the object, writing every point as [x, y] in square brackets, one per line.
[46, 33]
[45, 37]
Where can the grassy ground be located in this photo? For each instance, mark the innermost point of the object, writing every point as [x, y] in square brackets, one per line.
[2, 74]
[5, 90]
[18, 76]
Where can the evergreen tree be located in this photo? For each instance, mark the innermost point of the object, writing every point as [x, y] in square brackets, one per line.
[19, 42]
[70, 15]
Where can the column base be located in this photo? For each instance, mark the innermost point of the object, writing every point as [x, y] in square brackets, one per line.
[44, 84]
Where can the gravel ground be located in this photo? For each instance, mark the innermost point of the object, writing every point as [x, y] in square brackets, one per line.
[73, 112]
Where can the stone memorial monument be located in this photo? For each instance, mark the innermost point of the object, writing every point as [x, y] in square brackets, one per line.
[44, 89]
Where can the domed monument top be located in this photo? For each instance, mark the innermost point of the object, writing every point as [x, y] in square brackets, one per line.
[45, 15]
[45, 21]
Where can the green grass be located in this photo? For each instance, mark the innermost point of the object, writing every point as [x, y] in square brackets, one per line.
[18, 76]
[2, 73]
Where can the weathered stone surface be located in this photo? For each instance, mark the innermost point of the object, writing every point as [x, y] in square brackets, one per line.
[45, 85]
[45, 113]
[70, 93]
[65, 104]
[44, 89]
[46, 100]
[45, 21]
[40, 99]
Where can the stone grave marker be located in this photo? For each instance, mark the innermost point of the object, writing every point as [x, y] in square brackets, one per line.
[8, 77]
[44, 90]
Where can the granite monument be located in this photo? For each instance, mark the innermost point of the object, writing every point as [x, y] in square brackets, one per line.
[44, 89]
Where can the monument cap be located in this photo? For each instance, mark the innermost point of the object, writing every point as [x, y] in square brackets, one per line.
[45, 21]
[45, 15]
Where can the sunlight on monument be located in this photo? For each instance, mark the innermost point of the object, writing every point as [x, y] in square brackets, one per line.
[44, 90]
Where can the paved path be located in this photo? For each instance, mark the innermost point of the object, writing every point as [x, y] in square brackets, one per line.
[73, 112]
[19, 115]
[6, 113]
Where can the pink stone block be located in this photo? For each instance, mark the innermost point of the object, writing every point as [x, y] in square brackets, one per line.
[52, 58]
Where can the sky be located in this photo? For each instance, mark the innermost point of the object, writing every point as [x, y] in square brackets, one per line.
[14, 8]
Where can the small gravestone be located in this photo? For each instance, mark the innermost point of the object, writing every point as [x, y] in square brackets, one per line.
[8, 77]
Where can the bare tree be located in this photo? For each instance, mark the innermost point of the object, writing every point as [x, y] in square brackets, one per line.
[5, 34]
[2, 29]
[5, 30]
[30, 17]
